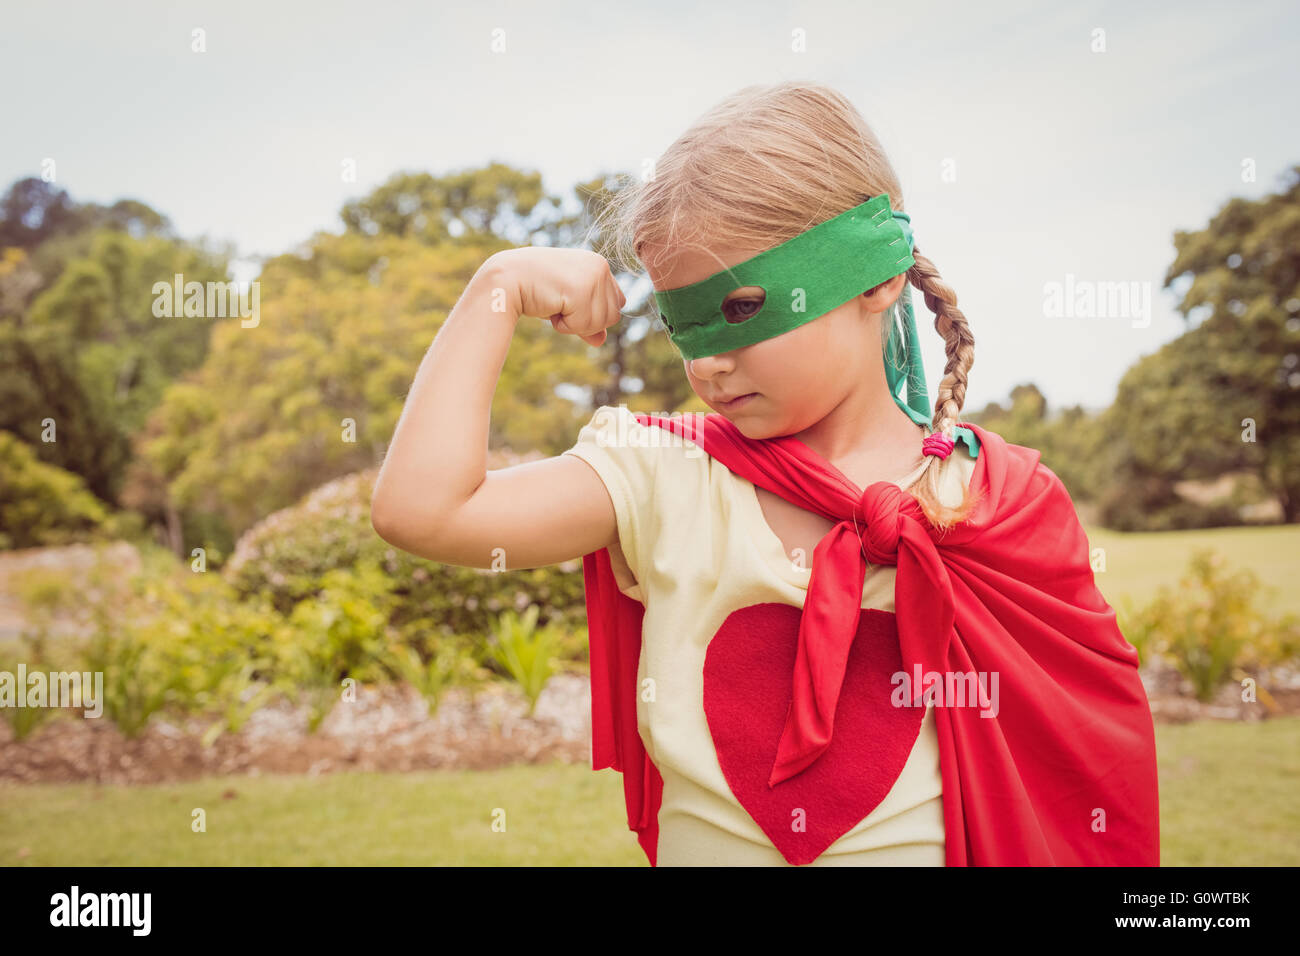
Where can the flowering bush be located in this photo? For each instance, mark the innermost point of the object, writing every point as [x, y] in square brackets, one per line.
[1210, 627]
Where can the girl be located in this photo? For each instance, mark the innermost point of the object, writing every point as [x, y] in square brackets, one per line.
[827, 627]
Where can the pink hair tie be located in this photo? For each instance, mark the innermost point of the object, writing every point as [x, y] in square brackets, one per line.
[937, 444]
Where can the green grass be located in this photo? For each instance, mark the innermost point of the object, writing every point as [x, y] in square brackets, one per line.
[1137, 564]
[1228, 793]
[1227, 797]
[555, 815]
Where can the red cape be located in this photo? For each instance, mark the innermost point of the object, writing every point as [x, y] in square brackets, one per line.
[1065, 774]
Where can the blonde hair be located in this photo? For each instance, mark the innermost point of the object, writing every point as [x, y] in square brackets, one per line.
[770, 162]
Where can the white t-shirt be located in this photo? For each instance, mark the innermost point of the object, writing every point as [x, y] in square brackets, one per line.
[698, 548]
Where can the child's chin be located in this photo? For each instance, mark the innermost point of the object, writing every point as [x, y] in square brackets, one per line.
[754, 428]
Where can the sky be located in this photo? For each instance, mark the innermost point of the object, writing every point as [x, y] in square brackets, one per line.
[1042, 148]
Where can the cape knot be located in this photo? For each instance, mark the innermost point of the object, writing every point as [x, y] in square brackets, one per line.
[878, 518]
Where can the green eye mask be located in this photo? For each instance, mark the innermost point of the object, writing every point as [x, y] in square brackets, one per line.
[802, 279]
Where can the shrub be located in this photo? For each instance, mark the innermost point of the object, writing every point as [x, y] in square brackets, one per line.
[1210, 626]
[526, 652]
[137, 680]
[575, 648]
[162, 636]
[41, 504]
[447, 666]
[24, 720]
[287, 555]
[337, 634]
[310, 597]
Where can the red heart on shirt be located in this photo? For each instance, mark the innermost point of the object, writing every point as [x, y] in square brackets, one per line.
[748, 683]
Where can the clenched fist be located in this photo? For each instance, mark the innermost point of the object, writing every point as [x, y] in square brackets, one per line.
[573, 289]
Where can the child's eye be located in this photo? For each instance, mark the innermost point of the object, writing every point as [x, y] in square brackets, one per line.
[738, 310]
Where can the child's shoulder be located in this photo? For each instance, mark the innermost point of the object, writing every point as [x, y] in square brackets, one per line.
[616, 429]
[645, 462]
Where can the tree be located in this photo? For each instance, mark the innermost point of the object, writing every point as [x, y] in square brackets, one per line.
[475, 204]
[90, 354]
[51, 229]
[33, 211]
[643, 367]
[1068, 440]
[40, 504]
[1225, 396]
[315, 391]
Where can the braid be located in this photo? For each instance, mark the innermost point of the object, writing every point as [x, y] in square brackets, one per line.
[959, 346]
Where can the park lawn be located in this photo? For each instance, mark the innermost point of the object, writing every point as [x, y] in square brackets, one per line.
[554, 814]
[1227, 797]
[1138, 563]
[1228, 793]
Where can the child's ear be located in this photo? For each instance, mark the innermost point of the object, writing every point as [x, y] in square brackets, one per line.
[881, 297]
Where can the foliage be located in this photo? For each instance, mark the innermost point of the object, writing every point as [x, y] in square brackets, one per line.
[1209, 626]
[1184, 412]
[162, 637]
[525, 651]
[346, 323]
[42, 504]
[1070, 442]
[33, 212]
[89, 353]
[449, 665]
[475, 203]
[574, 648]
[137, 680]
[344, 332]
[24, 720]
[1219, 399]
[170, 638]
[335, 635]
[286, 556]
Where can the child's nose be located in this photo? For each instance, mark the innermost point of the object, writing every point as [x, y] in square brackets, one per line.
[712, 365]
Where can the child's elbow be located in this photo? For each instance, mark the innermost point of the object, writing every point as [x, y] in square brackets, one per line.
[408, 531]
[387, 522]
